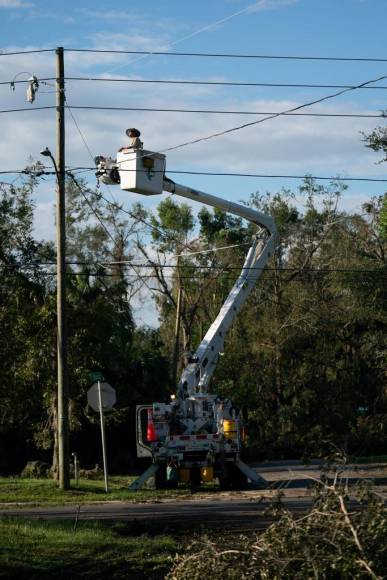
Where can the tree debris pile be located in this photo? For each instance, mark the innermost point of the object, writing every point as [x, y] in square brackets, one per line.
[333, 540]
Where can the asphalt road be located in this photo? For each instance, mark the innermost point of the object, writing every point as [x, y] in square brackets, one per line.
[233, 511]
[238, 514]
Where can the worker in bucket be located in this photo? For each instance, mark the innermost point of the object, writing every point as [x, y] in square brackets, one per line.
[135, 142]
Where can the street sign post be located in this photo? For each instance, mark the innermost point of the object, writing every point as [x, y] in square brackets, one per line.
[108, 396]
[96, 376]
[102, 397]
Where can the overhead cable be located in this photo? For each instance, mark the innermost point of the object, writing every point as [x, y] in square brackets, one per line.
[199, 82]
[93, 210]
[204, 54]
[207, 173]
[230, 55]
[219, 83]
[27, 51]
[130, 264]
[202, 111]
[120, 208]
[258, 121]
[255, 175]
[13, 82]
[26, 109]
[79, 129]
[83, 138]
[186, 277]
[223, 112]
[280, 176]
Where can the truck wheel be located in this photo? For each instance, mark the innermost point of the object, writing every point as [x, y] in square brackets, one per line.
[237, 479]
[172, 484]
[224, 483]
[161, 481]
[233, 478]
[196, 476]
[161, 478]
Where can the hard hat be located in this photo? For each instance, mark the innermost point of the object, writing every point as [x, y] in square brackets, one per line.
[136, 132]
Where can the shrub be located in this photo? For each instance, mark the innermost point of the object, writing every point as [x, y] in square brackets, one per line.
[337, 538]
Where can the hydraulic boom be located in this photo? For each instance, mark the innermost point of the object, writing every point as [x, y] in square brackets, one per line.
[197, 435]
[196, 376]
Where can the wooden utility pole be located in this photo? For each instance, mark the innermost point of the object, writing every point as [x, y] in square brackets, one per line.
[63, 419]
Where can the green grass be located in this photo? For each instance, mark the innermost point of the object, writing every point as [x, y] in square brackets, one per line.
[46, 492]
[36, 550]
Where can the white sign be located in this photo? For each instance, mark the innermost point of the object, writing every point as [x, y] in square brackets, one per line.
[108, 397]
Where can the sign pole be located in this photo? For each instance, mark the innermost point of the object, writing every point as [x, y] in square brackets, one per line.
[105, 473]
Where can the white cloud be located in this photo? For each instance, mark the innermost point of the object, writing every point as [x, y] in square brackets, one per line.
[291, 144]
[299, 142]
[44, 15]
[44, 228]
[15, 4]
[266, 5]
[129, 41]
[286, 145]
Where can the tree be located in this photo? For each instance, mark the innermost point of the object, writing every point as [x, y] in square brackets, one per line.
[187, 247]
[377, 141]
[25, 345]
[383, 218]
[328, 541]
[172, 227]
[295, 355]
[102, 335]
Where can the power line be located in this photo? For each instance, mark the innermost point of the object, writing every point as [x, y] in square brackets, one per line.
[41, 80]
[131, 214]
[254, 175]
[85, 144]
[36, 172]
[170, 276]
[231, 55]
[223, 112]
[292, 110]
[94, 211]
[26, 109]
[201, 111]
[207, 55]
[206, 173]
[27, 51]
[130, 264]
[79, 130]
[195, 82]
[219, 83]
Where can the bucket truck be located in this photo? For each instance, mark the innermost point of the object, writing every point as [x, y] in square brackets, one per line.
[197, 435]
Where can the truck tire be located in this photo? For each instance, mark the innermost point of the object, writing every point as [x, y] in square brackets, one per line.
[238, 480]
[195, 476]
[161, 481]
[233, 478]
[161, 477]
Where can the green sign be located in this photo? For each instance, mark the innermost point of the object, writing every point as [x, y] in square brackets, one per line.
[97, 376]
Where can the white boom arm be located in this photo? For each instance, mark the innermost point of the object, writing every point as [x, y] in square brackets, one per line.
[144, 172]
[197, 374]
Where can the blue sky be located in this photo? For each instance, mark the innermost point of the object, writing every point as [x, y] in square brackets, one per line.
[291, 145]
[290, 27]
